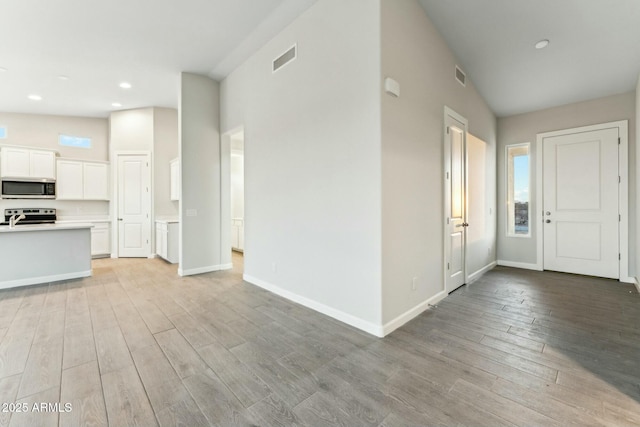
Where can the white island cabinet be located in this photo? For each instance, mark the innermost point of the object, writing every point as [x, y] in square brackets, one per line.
[43, 253]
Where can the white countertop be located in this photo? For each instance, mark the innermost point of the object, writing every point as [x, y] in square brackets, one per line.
[167, 220]
[43, 227]
[83, 219]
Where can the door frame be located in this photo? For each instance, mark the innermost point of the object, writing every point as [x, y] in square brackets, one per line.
[225, 195]
[448, 112]
[115, 235]
[623, 191]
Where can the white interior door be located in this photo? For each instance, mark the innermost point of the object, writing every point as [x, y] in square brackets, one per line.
[134, 206]
[581, 217]
[455, 201]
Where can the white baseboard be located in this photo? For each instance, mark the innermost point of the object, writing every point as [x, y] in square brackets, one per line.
[523, 265]
[201, 270]
[637, 283]
[412, 313]
[475, 276]
[356, 322]
[44, 279]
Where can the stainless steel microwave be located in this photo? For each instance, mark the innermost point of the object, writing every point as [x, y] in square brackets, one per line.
[28, 188]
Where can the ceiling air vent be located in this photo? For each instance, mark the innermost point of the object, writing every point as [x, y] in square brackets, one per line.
[285, 58]
[461, 77]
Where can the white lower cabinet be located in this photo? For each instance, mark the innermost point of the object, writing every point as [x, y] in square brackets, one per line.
[167, 245]
[237, 234]
[100, 239]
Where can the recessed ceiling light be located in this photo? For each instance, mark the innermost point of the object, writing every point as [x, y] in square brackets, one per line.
[35, 97]
[116, 104]
[542, 44]
[61, 77]
[125, 85]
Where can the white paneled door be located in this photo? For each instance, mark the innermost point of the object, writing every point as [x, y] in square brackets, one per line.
[455, 200]
[580, 207]
[134, 206]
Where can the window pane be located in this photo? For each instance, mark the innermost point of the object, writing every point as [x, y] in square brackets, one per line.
[518, 190]
[3, 132]
[75, 141]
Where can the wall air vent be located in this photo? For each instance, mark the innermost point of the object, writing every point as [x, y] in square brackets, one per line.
[461, 77]
[285, 58]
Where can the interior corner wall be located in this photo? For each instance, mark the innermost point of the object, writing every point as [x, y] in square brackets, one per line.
[415, 54]
[524, 128]
[637, 189]
[199, 132]
[312, 161]
[165, 149]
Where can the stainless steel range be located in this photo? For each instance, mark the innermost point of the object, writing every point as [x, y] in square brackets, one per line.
[31, 215]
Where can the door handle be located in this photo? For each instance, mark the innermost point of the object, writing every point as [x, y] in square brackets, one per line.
[465, 224]
[119, 219]
[548, 221]
[548, 213]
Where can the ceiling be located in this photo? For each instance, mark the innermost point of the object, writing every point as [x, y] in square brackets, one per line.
[594, 48]
[147, 43]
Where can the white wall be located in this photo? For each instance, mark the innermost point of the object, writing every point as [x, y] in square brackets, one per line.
[312, 160]
[414, 54]
[42, 131]
[165, 149]
[131, 130]
[237, 185]
[199, 133]
[524, 128]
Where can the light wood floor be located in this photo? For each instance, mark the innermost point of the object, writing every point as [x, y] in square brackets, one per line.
[137, 345]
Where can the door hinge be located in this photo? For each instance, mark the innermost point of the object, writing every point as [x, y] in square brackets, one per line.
[447, 175]
[447, 130]
[618, 140]
[447, 220]
[619, 217]
[448, 266]
[619, 180]
[619, 257]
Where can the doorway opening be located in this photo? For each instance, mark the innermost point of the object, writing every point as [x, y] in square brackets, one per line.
[233, 206]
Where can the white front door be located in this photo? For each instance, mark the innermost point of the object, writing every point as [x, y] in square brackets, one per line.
[134, 206]
[580, 207]
[455, 201]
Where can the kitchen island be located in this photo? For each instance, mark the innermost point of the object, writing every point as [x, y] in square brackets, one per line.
[41, 253]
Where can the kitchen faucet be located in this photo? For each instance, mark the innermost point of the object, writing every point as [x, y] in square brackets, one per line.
[14, 220]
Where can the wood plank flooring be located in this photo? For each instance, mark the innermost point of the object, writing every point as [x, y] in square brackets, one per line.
[137, 345]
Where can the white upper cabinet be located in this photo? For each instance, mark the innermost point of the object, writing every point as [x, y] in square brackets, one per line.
[16, 162]
[42, 164]
[96, 181]
[79, 180]
[175, 179]
[69, 181]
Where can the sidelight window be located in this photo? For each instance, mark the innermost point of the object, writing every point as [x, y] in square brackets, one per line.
[518, 184]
